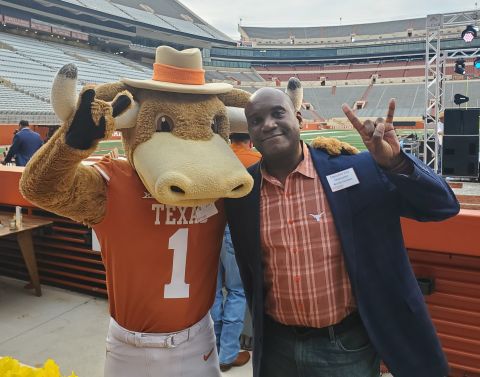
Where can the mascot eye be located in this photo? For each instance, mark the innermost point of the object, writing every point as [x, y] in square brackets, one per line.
[164, 124]
[215, 125]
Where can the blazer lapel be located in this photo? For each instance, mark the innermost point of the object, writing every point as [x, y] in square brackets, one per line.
[339, 205]
[252, 212]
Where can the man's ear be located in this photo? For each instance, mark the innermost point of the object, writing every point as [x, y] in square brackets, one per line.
[300, 119]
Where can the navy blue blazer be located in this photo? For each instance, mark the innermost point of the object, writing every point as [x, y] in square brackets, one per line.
[367, 218]
[25, 143]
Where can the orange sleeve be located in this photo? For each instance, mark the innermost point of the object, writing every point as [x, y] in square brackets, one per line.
[249, 158]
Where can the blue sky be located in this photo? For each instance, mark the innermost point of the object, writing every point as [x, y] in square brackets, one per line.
[226, 14]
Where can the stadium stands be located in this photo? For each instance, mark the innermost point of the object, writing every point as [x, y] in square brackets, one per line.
[166, 14]
[102, 6]
[28, 67]
[378, 32]
[353, 71]
[169, 8]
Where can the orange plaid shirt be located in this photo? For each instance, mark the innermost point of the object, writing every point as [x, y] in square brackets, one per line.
[305, 275]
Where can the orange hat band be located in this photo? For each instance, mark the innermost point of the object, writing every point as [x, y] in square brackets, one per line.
[169, 73]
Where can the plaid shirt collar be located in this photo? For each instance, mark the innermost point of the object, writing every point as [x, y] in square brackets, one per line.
[305, 168]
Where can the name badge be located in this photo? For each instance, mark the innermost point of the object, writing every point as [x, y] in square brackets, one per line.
[342, 180]
[204, 212]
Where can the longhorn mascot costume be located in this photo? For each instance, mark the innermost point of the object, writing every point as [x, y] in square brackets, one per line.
[157, 214]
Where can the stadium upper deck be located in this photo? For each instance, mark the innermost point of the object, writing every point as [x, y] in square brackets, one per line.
[123, 23]
[369, 33]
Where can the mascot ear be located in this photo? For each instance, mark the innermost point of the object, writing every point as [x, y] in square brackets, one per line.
[237, 119]
[128, 117]
[235, 101]
[295, 92]
[235, 98]
[64, 98]
[64, 92]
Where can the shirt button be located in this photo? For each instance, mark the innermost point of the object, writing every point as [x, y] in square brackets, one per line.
[290, 221]
[296, 278]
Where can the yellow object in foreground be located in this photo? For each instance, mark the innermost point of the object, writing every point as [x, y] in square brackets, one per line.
[10, 367]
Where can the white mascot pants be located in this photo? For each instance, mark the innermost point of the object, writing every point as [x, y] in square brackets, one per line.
[188, 353]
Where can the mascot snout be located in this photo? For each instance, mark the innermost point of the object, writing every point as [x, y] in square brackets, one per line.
[210, 170]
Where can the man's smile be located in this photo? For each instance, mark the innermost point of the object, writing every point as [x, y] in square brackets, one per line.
[271, 137]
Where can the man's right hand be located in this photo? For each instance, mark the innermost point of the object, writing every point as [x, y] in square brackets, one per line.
[88, 124]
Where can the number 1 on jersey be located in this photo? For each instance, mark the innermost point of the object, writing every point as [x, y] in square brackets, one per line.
[177, 288]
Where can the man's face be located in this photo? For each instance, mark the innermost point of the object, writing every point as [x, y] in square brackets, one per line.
[272, 124]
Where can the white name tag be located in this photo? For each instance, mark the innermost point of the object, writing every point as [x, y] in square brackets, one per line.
[204, 212]
[342, 179]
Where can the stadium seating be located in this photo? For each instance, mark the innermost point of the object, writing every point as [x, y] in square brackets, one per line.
[170, 17]
[370, 33]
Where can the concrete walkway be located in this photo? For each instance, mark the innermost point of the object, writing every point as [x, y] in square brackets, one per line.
[65, 326]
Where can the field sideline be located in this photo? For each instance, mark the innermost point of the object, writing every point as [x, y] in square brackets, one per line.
[348, 136]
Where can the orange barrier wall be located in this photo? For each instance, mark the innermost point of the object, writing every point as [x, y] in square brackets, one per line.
[6, 133]
[9, 179]
[448, 254]
[458, 235]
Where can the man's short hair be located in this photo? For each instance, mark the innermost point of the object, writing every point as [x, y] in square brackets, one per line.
[239, 137]
[23, 123]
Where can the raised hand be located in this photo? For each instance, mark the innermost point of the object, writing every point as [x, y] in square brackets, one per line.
[92, 119]
[379, 137]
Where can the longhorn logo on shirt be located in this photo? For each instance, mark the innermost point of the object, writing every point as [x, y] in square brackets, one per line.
[317, 217]
[147, 195]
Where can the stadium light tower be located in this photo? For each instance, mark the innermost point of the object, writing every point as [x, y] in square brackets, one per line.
[460, 66]
[470, 33]
[476, 63]
[435, 71]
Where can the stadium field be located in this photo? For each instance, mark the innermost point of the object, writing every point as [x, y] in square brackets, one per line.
[349, 136]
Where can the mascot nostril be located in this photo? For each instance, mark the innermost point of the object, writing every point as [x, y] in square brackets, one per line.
[177, 190]
[158, 214]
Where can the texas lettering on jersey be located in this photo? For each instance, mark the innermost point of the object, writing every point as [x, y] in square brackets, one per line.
[172, 215]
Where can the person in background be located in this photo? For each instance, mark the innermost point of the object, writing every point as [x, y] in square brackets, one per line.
[320, 251]
[440, 133]
[228, 313]
[25, 143]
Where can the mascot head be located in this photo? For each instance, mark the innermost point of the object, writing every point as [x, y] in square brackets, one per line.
[176, 130]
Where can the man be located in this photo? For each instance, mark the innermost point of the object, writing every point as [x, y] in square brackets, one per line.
[320, 251]
[25, 143]
[228, 315]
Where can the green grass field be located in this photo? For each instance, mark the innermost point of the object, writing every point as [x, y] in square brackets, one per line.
[348, 136]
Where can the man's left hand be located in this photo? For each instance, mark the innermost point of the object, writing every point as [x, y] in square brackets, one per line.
[379, 137]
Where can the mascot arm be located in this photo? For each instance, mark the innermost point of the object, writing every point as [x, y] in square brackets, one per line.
[55, 178]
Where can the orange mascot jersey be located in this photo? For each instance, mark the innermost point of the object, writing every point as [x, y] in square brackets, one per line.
[161, 261]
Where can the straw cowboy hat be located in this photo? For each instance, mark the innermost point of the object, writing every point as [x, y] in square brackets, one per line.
[179, 72]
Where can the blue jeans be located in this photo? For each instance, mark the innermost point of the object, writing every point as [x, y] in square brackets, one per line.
[289, 353]
[228, 314]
